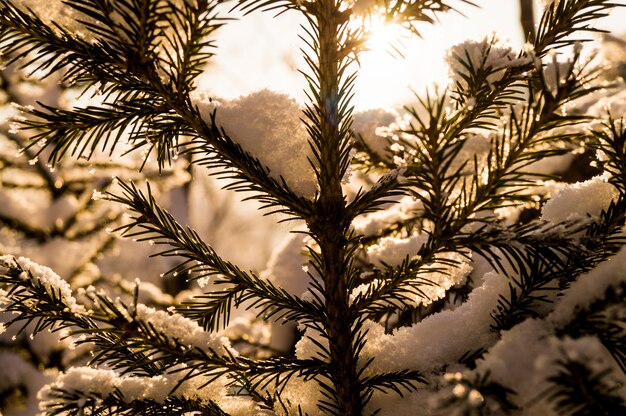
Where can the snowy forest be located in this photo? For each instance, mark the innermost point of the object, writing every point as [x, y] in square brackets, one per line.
[165, 250]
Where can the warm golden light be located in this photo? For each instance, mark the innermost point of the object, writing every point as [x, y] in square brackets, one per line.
[383, 36]
[394, 59]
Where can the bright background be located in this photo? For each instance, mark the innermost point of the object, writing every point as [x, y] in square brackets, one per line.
[262, 51]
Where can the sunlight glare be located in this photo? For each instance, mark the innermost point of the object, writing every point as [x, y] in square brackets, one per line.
[389, 64]
[382, 35]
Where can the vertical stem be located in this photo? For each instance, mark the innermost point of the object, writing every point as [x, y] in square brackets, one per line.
[527, 19]
[331, 226]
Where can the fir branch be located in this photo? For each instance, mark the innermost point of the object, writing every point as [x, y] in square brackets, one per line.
[383, 192]
[510, 249]
[79, 132]
[397, 382]
[277, 372]
[611, 142]
[529, 286]
[180, 48]
[60, 400]
[159, 111]
[366, 159]
[561, 19]
[124, 341]
[551, 272]
[280, 6]
[602, 240]
[437, 146]
[578, 390]
[201, 262]
[55, 49]
[119, 338]
[189, 45]
[597, 320]
[395, 287]
[459, 200]
[328, 121]
[210, 146]
[413, 12]
[33, 302]
[213, 309]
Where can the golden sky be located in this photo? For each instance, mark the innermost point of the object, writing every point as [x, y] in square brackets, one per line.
[262, 51]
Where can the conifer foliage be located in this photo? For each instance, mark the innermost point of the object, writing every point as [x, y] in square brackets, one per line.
[441, 266]
[53, 216]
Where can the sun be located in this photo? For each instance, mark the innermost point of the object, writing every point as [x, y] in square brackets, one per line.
[382, 35]
[393, 62]
[381, 63]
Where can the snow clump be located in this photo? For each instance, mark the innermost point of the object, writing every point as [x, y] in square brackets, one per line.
[43, 276]
[433, 342]
[371, 126]
[375, 223]
[578, 200]
[589, 288]
[273, 133]
[489, 54]
[184, 330]
[393, 250]
[56, 12]
[103, 383]
[287, 266]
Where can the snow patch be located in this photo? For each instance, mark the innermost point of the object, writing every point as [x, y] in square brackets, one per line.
[186, 331]
[54, 285]
[578, 200]
[273, 132]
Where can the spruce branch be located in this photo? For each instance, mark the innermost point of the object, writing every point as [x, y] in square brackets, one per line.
[156, 225]
[211, 146]
[601, 240]
[156, 108]
[61, 400]
[597, 320]
[561, 19]
[150, 59]
[279, 6]
[412, 12]
[397, 382]
[54, 49]
[502, 181]
[130, 342]
[383, 192]
[81, 132]
[34, 301]
[120, 339]
[611, 143]
[328, 121]
[396, 287]
[578, 390]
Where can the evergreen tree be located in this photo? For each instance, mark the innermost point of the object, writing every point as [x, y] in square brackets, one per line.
[439, 267]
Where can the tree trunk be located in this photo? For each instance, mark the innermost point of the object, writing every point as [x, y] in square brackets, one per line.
[331, 226]
[527, 19]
